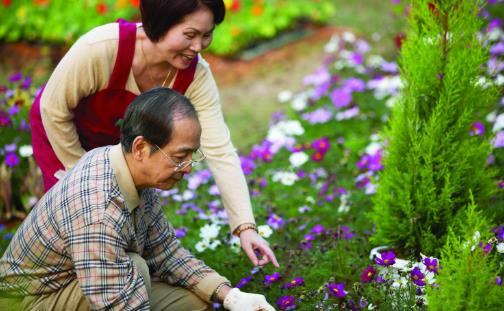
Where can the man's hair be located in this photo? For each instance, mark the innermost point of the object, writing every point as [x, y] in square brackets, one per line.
[152, 115]
[158, 16]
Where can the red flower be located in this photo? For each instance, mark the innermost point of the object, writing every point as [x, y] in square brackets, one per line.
[235, 5]
[367, 275]
[135, 3]
[41, 2]
[6, 3]
[101, 8]
[399, 39]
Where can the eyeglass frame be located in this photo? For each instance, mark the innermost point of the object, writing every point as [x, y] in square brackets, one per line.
[182, 165]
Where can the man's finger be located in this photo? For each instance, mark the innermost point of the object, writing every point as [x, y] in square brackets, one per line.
[250, 253]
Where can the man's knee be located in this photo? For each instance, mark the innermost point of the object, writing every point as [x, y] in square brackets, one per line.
[167, 298]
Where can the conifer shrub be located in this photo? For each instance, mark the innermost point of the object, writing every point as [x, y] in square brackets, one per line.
[467, 280]
[432, 163]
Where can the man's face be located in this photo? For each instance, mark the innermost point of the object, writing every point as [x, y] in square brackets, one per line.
[160, 170]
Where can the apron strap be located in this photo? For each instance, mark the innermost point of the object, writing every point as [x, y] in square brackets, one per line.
[125, 53]
[185, 77]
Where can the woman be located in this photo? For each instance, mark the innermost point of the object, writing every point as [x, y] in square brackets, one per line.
[83, 102]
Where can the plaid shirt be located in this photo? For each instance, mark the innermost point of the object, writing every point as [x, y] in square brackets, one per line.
[83, 228]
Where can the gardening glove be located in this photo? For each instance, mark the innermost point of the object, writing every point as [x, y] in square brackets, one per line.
[237, 300]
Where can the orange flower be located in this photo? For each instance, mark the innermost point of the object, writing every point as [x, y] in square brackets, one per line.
[235, 5]
[101, 8]
[41, 2]
[257, 10]
[235, 31]
[135, 3]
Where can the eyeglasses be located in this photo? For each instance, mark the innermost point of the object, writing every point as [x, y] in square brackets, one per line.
[196, 159]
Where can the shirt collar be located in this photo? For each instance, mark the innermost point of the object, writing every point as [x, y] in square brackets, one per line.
[124, 178]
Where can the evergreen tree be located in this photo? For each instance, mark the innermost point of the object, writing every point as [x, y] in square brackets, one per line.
[432, 163]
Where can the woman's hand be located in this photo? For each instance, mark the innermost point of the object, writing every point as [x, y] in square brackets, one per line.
[251, 241]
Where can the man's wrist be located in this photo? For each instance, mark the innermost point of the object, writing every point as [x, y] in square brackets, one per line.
[220, 292]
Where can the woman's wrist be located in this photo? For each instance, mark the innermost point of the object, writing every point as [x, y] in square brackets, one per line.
[243, 227]
[220, 292]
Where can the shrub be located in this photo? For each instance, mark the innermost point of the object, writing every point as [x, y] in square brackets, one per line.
[432, 163]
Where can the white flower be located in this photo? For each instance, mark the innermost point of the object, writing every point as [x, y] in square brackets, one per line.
[300, 101]
[499, 123]
[348, 37]
[483, 82]
[400, 282]
[491, 117]
[209, 232]
[375, 61]
[265, 231]
[333, 45]
[186, 196]
[285, 178]
[26, 151]
[201, 246]
[373, 148]
[344, 206]
[298, 158]
[310, 199]
[234, 243]
[284, 96]
[500, 248]
[495, 34]
[213, 245]
[499, 80]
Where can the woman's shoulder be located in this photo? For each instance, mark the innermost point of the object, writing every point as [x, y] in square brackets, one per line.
[107, 33]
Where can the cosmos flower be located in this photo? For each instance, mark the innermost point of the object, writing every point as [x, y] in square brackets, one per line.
[271, 278]
[337, 289]
[286, 302]
[387, 258]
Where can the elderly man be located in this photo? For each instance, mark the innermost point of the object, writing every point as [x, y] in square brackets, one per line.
[99, 239]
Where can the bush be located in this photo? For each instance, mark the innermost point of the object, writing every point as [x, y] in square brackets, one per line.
[433, 163]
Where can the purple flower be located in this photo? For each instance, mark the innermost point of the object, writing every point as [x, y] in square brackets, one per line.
[341, 98]
[11, 159]
[497, 49]
[306, 245]
[4, 119]
[262, 151]
[320, 90]
[275, 221]
[498, 141]
[386, 258]
[418, 277]
[26, 83]
[321, 115]
[181, 232]
[10, 148]
[16, 77]
[13, 110]
[346, 233]
[487, 248]
[295, 282]
[495, 23]
[357, 58]
[477, 128]
[499, 233]
[244, 281]
[247, 165]
[308, 237]
[271, 278]
[337, 289]
[498, 280]
[363, 162]
[317, 229]
[431, 264]
[8, 236]
[320, 76]
[390, 67]
[368, 274]
[321, 145]
[354, 85]
[286, 302]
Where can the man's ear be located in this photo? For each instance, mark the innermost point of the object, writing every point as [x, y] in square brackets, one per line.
[140, 148]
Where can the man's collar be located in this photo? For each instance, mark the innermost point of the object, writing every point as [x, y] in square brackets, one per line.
[124, 179]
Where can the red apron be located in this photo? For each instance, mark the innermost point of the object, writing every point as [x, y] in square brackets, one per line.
[97, 115]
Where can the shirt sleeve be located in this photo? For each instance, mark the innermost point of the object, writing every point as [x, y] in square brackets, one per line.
[84, 70]
[108, 277]
[216, 143]
[170, 262]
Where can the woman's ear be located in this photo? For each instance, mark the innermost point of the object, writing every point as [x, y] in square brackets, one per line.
[140, 148]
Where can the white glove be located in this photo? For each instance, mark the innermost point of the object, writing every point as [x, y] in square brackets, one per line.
[237, 300]
[59, 174]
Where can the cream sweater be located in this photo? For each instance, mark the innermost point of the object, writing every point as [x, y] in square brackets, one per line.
[86, 69]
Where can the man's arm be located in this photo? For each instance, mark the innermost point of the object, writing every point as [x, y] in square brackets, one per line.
[172, 263]
[107, 276]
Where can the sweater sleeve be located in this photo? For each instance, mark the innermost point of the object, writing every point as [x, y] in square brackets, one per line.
[216, 143]
[83, 71]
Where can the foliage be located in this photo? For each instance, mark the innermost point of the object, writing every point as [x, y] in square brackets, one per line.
[432, 161]
[470, 267]
[20, 182]
[62, 21]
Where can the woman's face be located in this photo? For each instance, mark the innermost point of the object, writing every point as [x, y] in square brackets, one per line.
[185, 40]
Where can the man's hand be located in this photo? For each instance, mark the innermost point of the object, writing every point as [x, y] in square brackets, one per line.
[237, 300]
[250, 241]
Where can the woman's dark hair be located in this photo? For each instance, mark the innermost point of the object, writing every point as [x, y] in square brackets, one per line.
[158, 16]
[151, 115]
